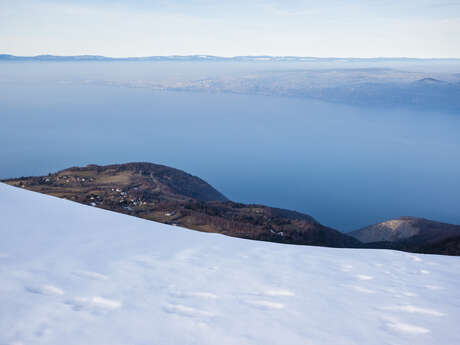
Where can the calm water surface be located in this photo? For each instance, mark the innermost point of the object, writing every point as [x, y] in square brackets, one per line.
[346, 166]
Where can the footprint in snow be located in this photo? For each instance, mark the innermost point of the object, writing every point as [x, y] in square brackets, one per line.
[398, 293]
[407, 328]
[197, 294]
[93, 303]
[45, 290]
[183, 310]
[278, 293]
[265, 305]
[364, 277]
[90, 275]
[414, 309]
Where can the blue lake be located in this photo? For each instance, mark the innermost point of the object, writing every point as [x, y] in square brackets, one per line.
[346, 166]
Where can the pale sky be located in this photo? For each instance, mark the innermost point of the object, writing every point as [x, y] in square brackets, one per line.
[353, 28]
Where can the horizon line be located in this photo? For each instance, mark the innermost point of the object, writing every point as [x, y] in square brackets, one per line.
[205, 56]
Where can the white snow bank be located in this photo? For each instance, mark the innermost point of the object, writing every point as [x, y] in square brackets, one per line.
[72, 274]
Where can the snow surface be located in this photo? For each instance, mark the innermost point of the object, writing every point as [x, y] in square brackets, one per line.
[74, 274]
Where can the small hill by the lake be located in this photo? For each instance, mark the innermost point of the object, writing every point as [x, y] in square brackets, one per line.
[171, 196]
[412, 234]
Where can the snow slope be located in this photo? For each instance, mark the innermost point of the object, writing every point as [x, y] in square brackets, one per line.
[73, 274]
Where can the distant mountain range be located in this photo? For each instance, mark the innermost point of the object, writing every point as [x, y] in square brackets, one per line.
[261, 58]
[171, 196]
[374, 82]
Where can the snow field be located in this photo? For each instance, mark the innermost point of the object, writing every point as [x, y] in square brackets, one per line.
[72, 274]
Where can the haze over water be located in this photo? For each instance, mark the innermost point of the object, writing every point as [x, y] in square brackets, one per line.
[346, 166]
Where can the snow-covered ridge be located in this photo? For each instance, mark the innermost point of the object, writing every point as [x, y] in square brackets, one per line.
[73, 274]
